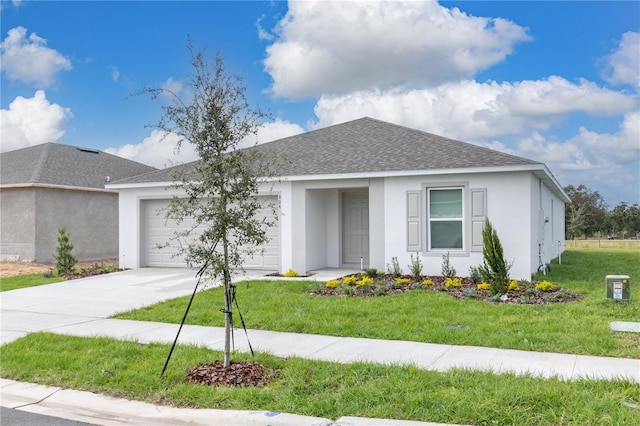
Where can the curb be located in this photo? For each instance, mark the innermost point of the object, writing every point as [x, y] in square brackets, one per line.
[104, 410]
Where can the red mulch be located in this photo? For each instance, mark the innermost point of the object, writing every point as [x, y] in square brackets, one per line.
[238, 374]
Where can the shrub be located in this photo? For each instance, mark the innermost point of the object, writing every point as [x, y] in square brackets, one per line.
[544, 285]
[371, 272]
[364, 281]
[402, 281]
[448, 270]
[394, 268]
[65, 261]
[416, 266]
[350, 280]
[470, 293]
[427, 282]
[332, 283]
[474, 274]
[513, 285]
[453, 282]
[291, 274]
[483, 286]
[495, 269]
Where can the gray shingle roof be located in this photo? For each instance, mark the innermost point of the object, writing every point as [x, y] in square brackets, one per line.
[57, 164]
[367, 145]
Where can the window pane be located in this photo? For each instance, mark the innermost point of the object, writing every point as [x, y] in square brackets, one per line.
[445, 203]
[446, 234]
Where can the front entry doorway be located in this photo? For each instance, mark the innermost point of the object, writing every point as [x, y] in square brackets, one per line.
[355, 228]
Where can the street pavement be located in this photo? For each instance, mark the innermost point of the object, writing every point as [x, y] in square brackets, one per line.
[82, 307]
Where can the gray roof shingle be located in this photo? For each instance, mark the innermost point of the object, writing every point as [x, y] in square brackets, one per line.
[58, 164]
[367, 145]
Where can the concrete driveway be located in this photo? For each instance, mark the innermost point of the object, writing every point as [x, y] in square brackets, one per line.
[51, 306]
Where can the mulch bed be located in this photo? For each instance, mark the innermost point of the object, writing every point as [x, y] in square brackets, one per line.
[385, 285]
[238, 374]
[90, 273]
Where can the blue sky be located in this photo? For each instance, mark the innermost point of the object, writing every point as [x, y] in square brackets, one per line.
[556, 82]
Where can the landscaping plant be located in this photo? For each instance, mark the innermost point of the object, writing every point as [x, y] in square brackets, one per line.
[416, 266]
[65, 261]
[448, 271]
[221, 187]
[495, 269]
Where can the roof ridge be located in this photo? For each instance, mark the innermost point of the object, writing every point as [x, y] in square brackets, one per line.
[44, 155]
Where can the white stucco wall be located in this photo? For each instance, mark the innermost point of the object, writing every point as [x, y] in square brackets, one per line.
[310, 222]
[508, 209]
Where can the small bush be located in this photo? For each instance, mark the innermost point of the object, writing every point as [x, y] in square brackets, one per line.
[332, 283]
[483, 286]
[513, 285]
[291, 274]
[350, 280]
[394, 268]
[371, 272]
[402, 281]
[380, 290]
[416, 266]
[448, 271]
[65, 261]
[470, 293]
[453, 282]
[364, 281]
[427, 282]
[474, 274]
[495, 269]
[544, 285]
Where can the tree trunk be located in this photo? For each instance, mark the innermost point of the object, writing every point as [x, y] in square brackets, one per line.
[227, 307]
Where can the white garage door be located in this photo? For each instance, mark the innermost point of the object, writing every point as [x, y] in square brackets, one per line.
[157, 232]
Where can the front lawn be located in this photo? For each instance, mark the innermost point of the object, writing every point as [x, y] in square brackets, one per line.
[580, 327]
[314, 388]
[29, 280]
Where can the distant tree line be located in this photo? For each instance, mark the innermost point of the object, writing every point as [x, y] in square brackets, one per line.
[589, 216]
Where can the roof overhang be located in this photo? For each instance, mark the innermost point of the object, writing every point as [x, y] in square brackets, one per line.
[538, 169]
[52, 186]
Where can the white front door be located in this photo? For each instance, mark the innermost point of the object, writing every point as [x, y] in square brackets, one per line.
[355, 227]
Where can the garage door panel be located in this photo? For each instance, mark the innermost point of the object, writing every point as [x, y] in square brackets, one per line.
[158, 231]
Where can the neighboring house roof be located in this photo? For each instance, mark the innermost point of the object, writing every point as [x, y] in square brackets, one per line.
[65, 165]
[366, 145]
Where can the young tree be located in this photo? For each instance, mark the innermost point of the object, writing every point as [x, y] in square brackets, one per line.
[65, 261]
[495, 268]
[220, 187]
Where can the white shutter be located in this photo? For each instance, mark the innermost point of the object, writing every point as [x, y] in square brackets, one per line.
[414, 234]
[478, 215]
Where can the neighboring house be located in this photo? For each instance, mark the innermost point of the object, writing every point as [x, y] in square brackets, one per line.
[368, 191]
[49, 186]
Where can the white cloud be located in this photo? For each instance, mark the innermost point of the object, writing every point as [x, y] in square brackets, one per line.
[271, 131]
[623, 66]
[340, 47]
[115, 73]
[595, 159]
[159, 151]
[31, 121]
[469, 110]
[29, 59]
[171, 88]
[262, 33]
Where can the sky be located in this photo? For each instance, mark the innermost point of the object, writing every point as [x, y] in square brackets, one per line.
[556, 82]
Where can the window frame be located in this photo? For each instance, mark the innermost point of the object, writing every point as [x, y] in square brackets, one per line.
[462, 219]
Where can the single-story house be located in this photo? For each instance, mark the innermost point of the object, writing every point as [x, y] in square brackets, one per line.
[50, 186]
[366, 191]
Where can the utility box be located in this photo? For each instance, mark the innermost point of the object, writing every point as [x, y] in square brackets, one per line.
[618, 288]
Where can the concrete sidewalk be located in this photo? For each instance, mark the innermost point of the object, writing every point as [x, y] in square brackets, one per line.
[81, 308]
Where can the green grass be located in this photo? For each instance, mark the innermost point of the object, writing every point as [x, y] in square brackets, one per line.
[29, 280]
[329, 390]
[581, 327]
